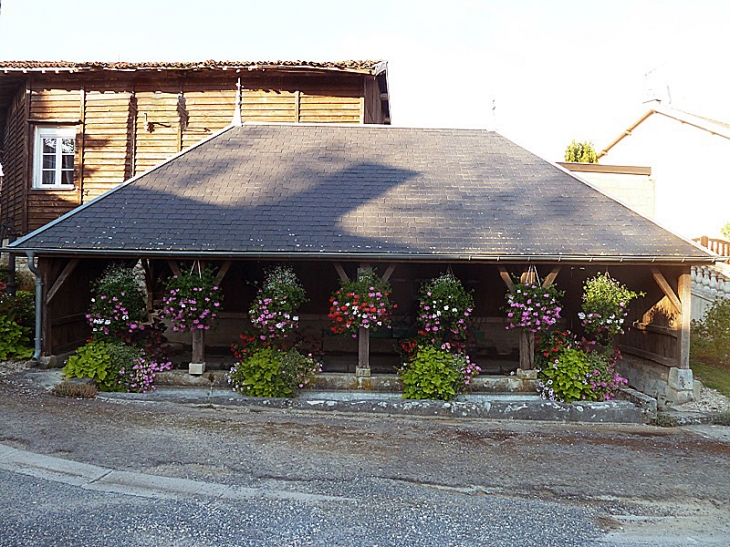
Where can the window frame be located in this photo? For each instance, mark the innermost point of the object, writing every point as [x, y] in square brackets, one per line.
[56, 132]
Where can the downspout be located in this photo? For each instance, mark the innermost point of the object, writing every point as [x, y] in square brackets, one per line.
[38, 302]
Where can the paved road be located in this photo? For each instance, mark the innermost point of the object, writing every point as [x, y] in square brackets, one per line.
[106, 472]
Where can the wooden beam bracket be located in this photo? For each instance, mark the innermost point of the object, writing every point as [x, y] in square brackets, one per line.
[67, 271]
[504, 274]
[665, 287]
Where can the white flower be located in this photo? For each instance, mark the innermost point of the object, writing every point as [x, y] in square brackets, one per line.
[446, 308]
[295, 318]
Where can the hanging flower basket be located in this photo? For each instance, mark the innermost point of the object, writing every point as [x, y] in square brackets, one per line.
[364, 303]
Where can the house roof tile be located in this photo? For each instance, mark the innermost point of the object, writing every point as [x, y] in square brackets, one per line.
[361, 191]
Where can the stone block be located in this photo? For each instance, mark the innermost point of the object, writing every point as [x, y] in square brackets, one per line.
[196, 369]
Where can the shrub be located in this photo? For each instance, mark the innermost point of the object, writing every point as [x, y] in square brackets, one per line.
[93, 360]
[118, 307]
[577, 375]
[444, 307]
[114, 367]
[605, 306]
[549, 344]
[565, 379]
[364, 302]
[271, 372]
[273, 312]
[436, 374]
[712, 339]
[14, 340]
[20, 308]
[192, 300]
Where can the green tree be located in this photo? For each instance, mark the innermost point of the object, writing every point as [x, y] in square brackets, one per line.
[725, 231]
[581, 152]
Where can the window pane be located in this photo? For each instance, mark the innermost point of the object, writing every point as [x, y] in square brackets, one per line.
[49, 146]
[67, 162]
[67, 146]
[49, 178]
[49, 162]
[67, 177]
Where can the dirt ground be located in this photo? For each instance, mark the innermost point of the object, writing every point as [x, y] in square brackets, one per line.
[645, 482]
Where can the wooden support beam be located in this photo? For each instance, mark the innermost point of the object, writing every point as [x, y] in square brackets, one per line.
[174, 267]
[222, 272]
[341, 272]
[550, 279]
[67, 271]
[527, 350]
[685, 296]
[664, 286]
[389, 271]
[363, 352]
[504, 274]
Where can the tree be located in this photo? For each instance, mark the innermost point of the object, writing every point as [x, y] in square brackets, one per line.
[725, 231]
[581, 152]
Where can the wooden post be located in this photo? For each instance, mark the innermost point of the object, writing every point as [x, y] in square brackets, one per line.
[527, 339]
[685, 298]
[197, 363]
[527, 350]
[363, 352]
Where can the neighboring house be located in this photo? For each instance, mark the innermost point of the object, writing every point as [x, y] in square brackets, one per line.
[632, 185]
[688, 155]
[411, 202]
[71, 131]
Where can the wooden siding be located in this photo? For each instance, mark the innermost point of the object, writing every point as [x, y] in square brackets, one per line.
[208, 108]
[108, 141]
[14, 162]
[55, 105]
[157, 128]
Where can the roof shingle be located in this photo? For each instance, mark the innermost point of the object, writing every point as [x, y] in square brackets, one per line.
[323, 190]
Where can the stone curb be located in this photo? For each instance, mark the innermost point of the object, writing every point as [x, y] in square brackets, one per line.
[100, 479]
[498, 407]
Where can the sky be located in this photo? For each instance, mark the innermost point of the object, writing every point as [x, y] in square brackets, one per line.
[542, 73]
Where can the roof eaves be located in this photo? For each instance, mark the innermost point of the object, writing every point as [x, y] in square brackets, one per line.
[343, 255]
[19, 242]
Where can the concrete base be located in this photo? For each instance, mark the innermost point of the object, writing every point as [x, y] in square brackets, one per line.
[196, 369]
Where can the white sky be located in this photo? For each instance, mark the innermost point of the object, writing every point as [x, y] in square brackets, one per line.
[558, 70]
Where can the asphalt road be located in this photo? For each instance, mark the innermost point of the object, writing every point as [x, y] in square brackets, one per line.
[171, 474]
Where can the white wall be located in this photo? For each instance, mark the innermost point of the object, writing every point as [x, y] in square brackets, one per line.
[691, 170]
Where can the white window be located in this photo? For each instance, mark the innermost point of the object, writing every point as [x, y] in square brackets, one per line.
[53, 166]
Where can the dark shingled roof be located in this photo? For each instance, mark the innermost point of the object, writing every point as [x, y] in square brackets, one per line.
[361, 191]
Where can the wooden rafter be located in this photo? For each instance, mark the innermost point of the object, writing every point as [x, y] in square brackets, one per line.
[174, 267]
[667, 289]
[550, 279]
[222, 272]
[341, 272]
[67, 271]
[389, 271]
[504, 274]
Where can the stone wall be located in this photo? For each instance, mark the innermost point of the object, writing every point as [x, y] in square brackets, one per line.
[665, 384]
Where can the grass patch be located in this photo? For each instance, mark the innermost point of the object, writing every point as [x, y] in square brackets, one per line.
[714, 376]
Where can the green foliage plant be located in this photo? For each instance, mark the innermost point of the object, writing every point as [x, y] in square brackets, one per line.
[118, 306]
[566, 378]
[581, 152]
[271, 372]
[434, 373]
[712, 333]
[605, 307]
[14, 340]
[93, 360]
[20, 308]
[725, 231]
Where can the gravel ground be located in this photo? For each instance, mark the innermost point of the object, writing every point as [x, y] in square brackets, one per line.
[597, 484]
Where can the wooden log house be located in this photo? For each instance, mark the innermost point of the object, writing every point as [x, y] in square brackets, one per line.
[329, 199]
[71, 131]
